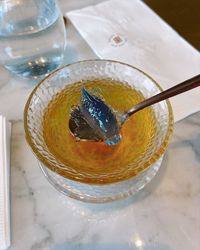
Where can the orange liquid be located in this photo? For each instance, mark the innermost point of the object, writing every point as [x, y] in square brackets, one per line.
[95, 162]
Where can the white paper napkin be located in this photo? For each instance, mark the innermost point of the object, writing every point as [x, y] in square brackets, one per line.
[129, 31]
[5, 130]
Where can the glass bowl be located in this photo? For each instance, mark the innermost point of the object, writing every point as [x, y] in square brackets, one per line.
[73, 184]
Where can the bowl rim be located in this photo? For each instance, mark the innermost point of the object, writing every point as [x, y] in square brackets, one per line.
[156, 155]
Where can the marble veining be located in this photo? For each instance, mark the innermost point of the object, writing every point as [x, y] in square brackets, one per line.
[165, 215]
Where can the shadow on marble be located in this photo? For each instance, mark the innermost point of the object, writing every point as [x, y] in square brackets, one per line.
[5, 76]
[194, 143]
[70, 56]
[109, 246]
[138, 197]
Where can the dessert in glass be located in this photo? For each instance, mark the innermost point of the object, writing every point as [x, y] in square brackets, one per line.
[89, 170]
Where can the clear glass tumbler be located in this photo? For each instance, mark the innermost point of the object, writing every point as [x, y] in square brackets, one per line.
[32, 36]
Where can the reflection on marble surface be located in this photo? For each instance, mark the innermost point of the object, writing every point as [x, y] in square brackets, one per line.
[165, 215]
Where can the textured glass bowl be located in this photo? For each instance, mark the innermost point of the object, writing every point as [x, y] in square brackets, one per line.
[149, 162]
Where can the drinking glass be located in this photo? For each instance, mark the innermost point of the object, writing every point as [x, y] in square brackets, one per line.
[32, 36]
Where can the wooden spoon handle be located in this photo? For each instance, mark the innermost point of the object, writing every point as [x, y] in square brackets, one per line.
[176, 90]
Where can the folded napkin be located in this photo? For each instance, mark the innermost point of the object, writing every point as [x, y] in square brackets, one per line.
[129, 31]
[5, 130]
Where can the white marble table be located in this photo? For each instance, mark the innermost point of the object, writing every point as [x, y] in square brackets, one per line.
[165, 215]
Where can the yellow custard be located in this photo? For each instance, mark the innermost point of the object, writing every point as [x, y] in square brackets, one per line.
[96, 162]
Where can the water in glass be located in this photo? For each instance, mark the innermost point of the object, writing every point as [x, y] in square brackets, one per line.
[32, 36]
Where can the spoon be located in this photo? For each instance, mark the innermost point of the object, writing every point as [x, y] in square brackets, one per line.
[94, 120]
